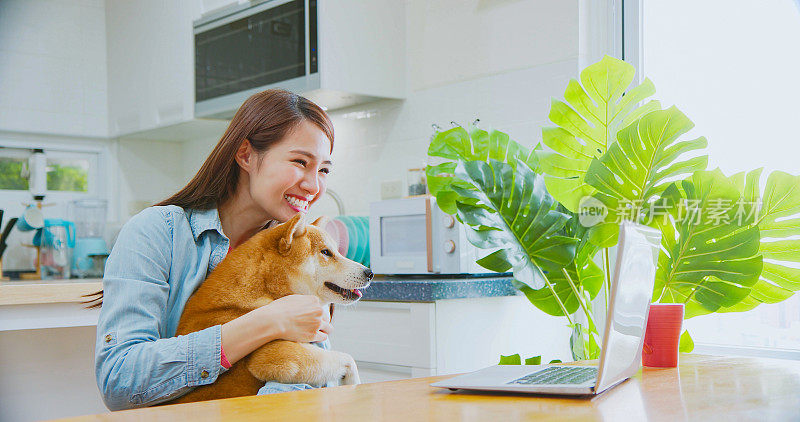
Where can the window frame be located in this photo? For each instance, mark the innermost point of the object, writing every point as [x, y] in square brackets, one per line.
[98, 156]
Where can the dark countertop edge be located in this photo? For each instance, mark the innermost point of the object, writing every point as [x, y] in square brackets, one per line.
[400, 289]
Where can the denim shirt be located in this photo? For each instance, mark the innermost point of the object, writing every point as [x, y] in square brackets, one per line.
[161, 257]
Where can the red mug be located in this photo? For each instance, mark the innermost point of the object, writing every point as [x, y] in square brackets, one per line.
[662, 336]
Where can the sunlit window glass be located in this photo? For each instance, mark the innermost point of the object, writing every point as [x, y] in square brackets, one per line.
[68, 175]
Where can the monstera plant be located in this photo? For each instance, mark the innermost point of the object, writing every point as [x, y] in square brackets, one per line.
[726, 247]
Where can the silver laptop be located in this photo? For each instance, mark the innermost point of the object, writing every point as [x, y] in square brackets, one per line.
[620, 357]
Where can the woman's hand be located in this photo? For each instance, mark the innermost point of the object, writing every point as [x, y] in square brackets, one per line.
[300, 318]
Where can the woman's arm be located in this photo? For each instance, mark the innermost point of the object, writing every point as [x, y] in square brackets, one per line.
[134, 365]
[296, 317]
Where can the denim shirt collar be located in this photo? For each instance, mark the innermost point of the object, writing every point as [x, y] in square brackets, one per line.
[204, 220]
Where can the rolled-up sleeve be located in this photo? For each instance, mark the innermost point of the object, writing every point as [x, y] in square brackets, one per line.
[134, 366]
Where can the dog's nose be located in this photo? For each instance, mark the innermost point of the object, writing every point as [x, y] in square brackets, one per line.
[368, 273]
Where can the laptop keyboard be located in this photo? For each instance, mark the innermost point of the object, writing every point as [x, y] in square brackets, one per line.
[559, 375]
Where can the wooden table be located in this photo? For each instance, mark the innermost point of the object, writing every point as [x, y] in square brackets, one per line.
[702, 388]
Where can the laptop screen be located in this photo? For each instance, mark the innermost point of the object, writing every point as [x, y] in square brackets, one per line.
[632, 291]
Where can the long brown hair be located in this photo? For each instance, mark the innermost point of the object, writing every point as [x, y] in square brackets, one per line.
[263, 119]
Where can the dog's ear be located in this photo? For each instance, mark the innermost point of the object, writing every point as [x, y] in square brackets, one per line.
[295, 227]
[321, 222]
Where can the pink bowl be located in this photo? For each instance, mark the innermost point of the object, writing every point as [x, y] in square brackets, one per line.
[338, 231]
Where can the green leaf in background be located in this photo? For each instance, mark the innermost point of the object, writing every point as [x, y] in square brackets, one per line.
[747, 208]
[686, 344]
[510, 360]
[707, 261]
[590, 278]
[583, 344]
[587, 276]
[777, 219]
[497, 261]
[67, 178]
[647, 154]
[516, 360]
[476, 144]
[514, 212]
[11, 170]
[534, 360]
[595, 109]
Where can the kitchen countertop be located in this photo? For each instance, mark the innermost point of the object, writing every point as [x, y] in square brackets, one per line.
[34, 304]
[429, 289]
[30, 292]
[382, 288]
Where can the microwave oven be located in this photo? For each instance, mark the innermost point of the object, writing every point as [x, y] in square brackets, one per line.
[414, 236]
[246, 48]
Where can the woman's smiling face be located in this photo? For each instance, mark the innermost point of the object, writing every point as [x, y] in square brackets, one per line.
[292, 174]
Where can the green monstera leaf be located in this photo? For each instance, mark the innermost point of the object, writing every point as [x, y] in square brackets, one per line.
[588, 278]
[595, 109]
[777, 216]
[513, 213]
[515, 359]
[708, 261]
[469, 145]
[686, 344]
[639, 166]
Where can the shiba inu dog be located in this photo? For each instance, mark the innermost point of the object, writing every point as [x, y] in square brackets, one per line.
[291, 258]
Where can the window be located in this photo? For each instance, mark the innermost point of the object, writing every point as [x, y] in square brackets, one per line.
[68, 174]
[14, 170]
[731, 68]
[60, 172]
[59, 175]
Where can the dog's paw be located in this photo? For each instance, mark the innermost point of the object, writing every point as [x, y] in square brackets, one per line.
[351, 376]
[344, 370]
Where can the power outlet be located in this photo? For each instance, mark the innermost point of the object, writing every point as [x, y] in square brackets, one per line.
[391, 189]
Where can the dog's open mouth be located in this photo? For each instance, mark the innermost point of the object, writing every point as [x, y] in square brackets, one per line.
[346, 294]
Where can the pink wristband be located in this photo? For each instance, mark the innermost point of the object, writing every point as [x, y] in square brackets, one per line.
[223, 360]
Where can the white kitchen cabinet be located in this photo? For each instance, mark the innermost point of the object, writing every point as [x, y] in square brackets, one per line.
[150, 64]
[398, 340]
[47, 341]
[362, 49]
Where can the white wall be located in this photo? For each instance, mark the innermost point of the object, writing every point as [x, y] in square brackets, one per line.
[499, 61]
[53, 67]
[149, 171]
[457, 40]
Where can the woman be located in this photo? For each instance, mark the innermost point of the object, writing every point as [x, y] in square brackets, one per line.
[271, 163]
